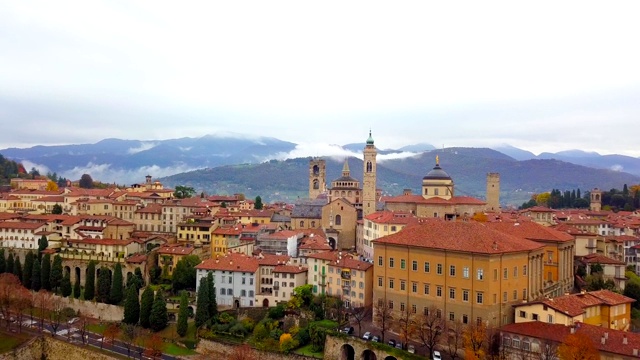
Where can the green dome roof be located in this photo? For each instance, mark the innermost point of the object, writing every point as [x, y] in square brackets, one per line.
[370, 139]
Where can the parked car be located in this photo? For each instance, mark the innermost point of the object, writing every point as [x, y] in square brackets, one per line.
[399, 345]
[375, 338]
[436, 355]
[392, 343]
[411, 349]
[73, 321]
[366, 336]
[348, 330]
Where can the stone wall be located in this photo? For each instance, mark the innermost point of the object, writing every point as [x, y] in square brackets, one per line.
[339, 347]
[218, 350]
[53, 349]
[96, 310]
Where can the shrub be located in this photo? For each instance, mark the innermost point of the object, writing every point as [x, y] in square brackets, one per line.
[276, 312]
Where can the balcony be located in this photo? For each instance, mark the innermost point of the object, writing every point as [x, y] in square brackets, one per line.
[345, 274]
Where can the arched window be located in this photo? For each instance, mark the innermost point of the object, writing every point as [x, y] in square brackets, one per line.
[316, 184]
[369, 166]
[338, 220]
[316, 170]
[301, 223]
[313, 224]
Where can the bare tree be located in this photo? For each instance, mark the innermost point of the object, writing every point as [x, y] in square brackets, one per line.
[383, 316]
[454, 338]
[127, 336]
[243, 352]
[359, 314]
[407, 325]
[548, 350]
[82, 325]
[8, 285]
[23, 302]
[42, 299]
[494, 343]
[429, 328]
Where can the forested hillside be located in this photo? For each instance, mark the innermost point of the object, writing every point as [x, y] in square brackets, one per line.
[8, 170]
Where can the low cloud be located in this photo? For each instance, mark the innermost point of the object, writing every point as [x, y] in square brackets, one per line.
[332, 151]
[393, 156]
[107, 174]
[143, 147]
[28, 165]
[617, 167]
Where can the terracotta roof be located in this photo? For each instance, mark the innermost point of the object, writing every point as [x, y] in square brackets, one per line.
[469, 236]
[538, 209]
[137, 259]
[621, 238]
[532, 231]
[150, 209]
[282, 235]
[20, 225]
[614, 339]
[572, 230]
[101, 241]
[273, 260]
[600, 259]
[390, 217]
[175, 250]
[325, 255]
[226, 230]
[350, 263]
[55, 198]
[290, 269]
[230, 262]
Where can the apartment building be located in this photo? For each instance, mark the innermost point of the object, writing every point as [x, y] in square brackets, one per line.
[234, 276]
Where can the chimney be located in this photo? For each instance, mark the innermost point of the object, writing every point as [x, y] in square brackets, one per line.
[624, 340]
[603, 340]
[635, 352]
[606, 335]
[573, 330]
[406, 192]
[495, 245]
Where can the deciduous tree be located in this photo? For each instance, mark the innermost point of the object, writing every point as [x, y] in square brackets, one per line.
[86, 182]
[359, 314]
[383, 316]
[578, 347]
[429, 329]
[184, 273]
[454, 340]
[183, 192]
[474, 337]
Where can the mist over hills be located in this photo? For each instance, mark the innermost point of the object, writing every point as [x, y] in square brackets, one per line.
[278, 170]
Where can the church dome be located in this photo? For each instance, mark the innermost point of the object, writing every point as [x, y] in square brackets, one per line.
[437, 174]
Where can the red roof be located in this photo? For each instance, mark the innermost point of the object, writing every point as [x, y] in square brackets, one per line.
[101, 241]
[20, 225]
[290, 269]
[600, 259]
[175, 250]
[390, 217]
[532, 231]
[230, 262]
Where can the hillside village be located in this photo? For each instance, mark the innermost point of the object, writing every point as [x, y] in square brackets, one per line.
[435, 271]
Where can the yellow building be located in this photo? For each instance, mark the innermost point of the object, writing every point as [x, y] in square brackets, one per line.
[148, 218]
[601, 308]
[169, 255]
[223, 238]
[351, 280]
[379, 224]
[466, 270]
[196, 231]
[339, 219]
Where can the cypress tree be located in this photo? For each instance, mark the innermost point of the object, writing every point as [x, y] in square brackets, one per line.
[202, 303]
[56, 274]
[65, 285]
[43, 243]
[90, 281]
[159, 317]
[213, 303]
[104, 285]
[45, 272]
[9, 264]
[27, 270]
[138, 275]
[146, 303]
[36, 278]
[116, 295]
[76, 289]
[183, 315]
[131, 306]
[3, 262]
[17, 268]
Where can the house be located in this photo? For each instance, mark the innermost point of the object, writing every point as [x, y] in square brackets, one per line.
[613, 270]
[234, 276]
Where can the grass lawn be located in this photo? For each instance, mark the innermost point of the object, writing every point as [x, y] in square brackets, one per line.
[97, 328]
[306, 351]
[327, 324]
[175, 350]
[11, 341]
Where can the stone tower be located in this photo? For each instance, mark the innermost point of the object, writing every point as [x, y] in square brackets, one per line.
[369, 178]
[596, 200]
[493, 192]
[317, 177]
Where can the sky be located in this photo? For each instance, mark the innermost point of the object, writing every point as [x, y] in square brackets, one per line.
[541, 76]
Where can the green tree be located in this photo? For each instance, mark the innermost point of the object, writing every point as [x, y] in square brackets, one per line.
[76, 289]
[45, 272]
[36, 278]
[131, 306]
[17, 268]
[183, 192]
[9, 263]
[116, 294]
[27, 270]
[159, 318]
[56, 209]
[138, 275]
[258, 203]
[146, 303]
[183, 314]
[90, 281]
[3, 262]
[104, 284]
[86, 182]
[65, 284]
[43, 243]
[184, 273]
[202, 303]
[632, 290]
[213, 302]
[56, 273]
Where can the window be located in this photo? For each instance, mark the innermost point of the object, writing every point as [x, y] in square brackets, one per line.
[414, 287]
[522, 314]
[403, 264]
[401, 306]
[534, 317]
[426, 289]
[414, 265]
[465, 295]
[550, 319]
[390, 283]
[480, 274]
[391, 262]
[452, 293]
[243, 293]
[515, 271]
[414, 309]
[526, 345]
[524, 294]
[524, 270]
[439, 291]
[380, 261]
[338, 220]
[452, 270]
[505, 273]
[452, 316]
[465, 272]
[504, 296]
[515, 343]
[222, 291]
[465, 319]
[390, 304]
[403, 285]
[515, 294]
[427, 267]
[380, 281]
[439, 269]
[479, 297]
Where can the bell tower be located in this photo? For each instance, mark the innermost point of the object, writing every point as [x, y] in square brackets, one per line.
[369, 178]
[317, 177]
[493, 192]
[596, 200]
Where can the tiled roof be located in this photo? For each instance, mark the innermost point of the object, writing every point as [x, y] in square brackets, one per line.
[102, 241]
[469, 236]
[55, 198]
[231, 262]
[538, 209]
[600, 259]
[137, 259]
[150, 209]
[20, 225]
[175, 250]
[532, 231]
[272, 259]
[290, 269]
[350, 263]
[226, 230]
[307, 211]
[390, 217]
[282, 235]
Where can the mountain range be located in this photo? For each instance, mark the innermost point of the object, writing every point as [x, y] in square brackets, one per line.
[278, 170]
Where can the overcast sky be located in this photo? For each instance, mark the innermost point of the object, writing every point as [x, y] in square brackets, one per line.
[546, 76]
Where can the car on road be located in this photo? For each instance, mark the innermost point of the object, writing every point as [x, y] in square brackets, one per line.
[437, 355]
[73, 321]
[399, 345]
[348, 330]
[366, 336]
[411, 349]
[392, 343]
[375, 338]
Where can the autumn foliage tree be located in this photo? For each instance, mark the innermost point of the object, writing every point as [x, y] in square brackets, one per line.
[578, 347]
[474, 338]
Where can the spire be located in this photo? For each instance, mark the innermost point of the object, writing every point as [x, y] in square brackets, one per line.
[345, 168]
[437, 160]
[370, 139]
